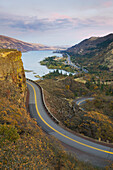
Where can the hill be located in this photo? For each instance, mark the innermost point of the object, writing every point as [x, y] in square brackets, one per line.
[11, 43]
[23, 145]
[95, 53]
[61, 92]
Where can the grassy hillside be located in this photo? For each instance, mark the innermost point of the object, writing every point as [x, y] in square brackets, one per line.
[22, 142]
[11, 43]
[95, 53]
[60, 95]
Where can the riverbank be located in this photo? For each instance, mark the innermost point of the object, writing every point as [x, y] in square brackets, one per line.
[31, 61]
[61, 63]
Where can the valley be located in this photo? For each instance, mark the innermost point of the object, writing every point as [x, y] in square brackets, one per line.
[23, 144]
[61, 91]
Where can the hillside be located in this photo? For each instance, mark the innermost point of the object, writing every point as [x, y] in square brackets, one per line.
[23, 145]
[11, 43]
[60, 95]
[94, 53]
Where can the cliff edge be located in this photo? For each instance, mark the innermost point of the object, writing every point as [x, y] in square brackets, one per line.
[12, 72]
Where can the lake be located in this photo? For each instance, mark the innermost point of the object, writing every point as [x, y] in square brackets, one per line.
[31, 61]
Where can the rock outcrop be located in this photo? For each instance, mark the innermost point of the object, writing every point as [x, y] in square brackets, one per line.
[12, 71]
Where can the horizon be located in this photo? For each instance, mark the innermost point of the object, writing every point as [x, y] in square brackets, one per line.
[56, 23]
[58, 44]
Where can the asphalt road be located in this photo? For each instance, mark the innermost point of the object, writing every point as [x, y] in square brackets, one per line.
[38, 112]
[83, 100]
[72, 64]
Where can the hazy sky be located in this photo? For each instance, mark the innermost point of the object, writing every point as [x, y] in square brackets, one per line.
[55, 22]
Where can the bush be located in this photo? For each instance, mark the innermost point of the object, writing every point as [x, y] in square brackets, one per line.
[8, 132]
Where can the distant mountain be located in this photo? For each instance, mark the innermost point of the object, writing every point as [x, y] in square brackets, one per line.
[94, 52]
[11, 43]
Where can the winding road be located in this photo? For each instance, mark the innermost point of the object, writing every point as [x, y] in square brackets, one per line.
[38, 111]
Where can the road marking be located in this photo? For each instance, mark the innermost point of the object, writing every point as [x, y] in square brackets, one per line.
[83, 144]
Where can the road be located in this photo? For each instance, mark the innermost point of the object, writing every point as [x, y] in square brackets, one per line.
[70, 63]
[38, 112]
[83, 100]
[75, 66]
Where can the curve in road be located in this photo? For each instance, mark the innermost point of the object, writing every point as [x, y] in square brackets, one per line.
[37, 111]
[83, 100]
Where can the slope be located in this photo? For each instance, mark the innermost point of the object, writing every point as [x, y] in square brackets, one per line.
[11, 43]
[23, 145]
[95, 53]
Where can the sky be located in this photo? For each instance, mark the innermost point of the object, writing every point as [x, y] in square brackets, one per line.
[55, 22]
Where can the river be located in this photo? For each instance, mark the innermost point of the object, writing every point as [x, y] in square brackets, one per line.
[31, 61]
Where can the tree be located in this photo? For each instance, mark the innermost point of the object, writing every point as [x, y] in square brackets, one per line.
[88, 84]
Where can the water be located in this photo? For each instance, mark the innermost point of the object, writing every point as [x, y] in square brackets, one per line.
[31, 61]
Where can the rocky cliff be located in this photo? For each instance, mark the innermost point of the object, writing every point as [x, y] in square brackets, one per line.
[12, 74]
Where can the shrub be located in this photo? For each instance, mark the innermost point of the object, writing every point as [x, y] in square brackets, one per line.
[8, 132]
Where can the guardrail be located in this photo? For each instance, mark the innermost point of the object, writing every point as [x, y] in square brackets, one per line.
[44, 104]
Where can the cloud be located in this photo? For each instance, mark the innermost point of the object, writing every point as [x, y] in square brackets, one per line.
[107, 4]
[33, 23]
[24, 24]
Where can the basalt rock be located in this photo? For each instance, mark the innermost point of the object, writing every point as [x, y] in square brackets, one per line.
[12, 71]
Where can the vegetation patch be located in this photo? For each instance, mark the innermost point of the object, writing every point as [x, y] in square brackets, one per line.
[22, 143]
[102, 104]
[57, 63]
[28, 71]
